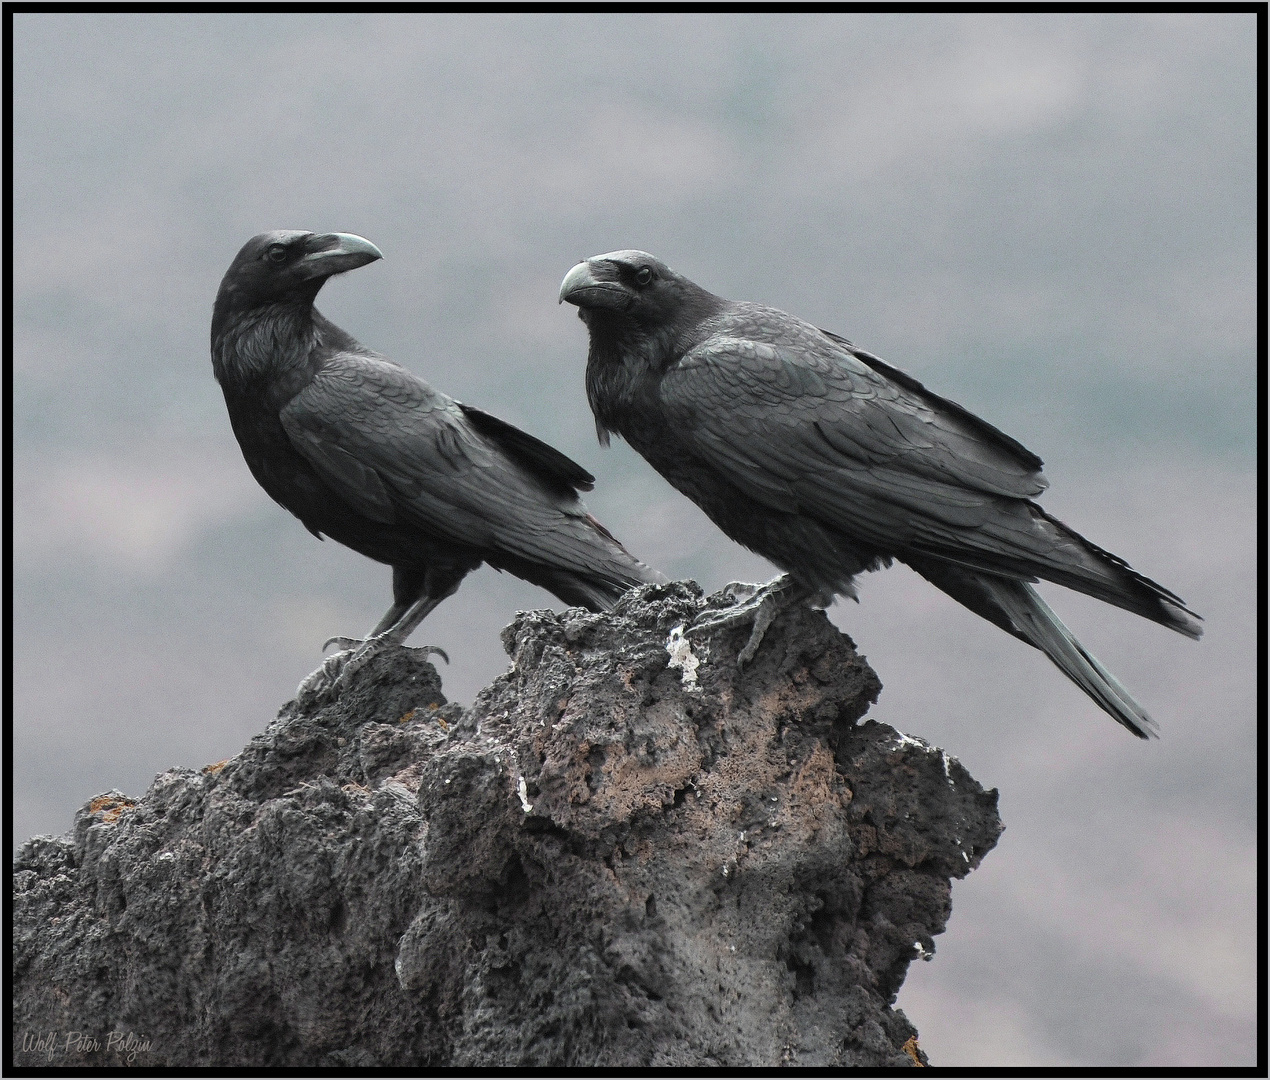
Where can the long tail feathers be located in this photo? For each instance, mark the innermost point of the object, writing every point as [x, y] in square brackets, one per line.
[1017, 608]
[1036, 623]
[594, 594]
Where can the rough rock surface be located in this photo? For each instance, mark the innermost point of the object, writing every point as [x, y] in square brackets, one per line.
[627, 852]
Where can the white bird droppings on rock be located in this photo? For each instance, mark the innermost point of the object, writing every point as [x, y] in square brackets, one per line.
[903, 740]
[681, 656]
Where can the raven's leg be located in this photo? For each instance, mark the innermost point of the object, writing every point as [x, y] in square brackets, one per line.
[755, 604]
[409, 585]
[339, 667]
[391, 617]
[396, 634]
[415, 595]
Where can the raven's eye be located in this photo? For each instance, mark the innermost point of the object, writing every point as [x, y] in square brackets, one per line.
[277, 253]
[644, 275]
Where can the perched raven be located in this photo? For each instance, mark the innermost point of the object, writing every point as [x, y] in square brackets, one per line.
[829, 462]
[364, 451]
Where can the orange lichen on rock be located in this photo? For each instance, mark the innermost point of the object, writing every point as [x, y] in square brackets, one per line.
[910, 1048]
[109, 808]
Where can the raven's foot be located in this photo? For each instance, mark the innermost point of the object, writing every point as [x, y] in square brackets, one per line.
[362, 652]
[319, 686]
[757, 605]
[329, 681]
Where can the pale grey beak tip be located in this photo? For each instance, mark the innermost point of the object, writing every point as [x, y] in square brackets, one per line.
[576, 278]
[351, 243]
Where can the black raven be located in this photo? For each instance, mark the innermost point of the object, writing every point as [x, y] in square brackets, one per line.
[827, 461]
[362, 450]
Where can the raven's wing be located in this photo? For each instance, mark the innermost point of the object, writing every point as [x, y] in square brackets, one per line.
[801, 423]
[546, 462]
[964, 416]
[396, 449]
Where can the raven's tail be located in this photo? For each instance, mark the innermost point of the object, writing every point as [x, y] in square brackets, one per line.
[1017, 608]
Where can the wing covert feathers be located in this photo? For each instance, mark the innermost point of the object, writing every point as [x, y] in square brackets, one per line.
[397, 450]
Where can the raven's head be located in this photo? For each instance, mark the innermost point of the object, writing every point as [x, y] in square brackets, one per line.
[286, 265]
[641, 317]
[633, 287]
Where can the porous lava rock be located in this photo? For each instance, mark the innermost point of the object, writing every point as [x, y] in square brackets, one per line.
[629, 851]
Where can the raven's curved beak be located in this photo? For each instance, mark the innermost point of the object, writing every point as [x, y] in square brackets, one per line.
[334, 253]
[595, 285]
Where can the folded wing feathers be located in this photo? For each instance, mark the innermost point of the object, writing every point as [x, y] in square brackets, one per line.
[391, 444]
[806, 423]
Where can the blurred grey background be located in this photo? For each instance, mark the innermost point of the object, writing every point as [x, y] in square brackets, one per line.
[1049, 218]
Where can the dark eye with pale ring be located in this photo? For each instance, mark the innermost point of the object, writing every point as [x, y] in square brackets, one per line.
[277, 253]
[643, 275]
